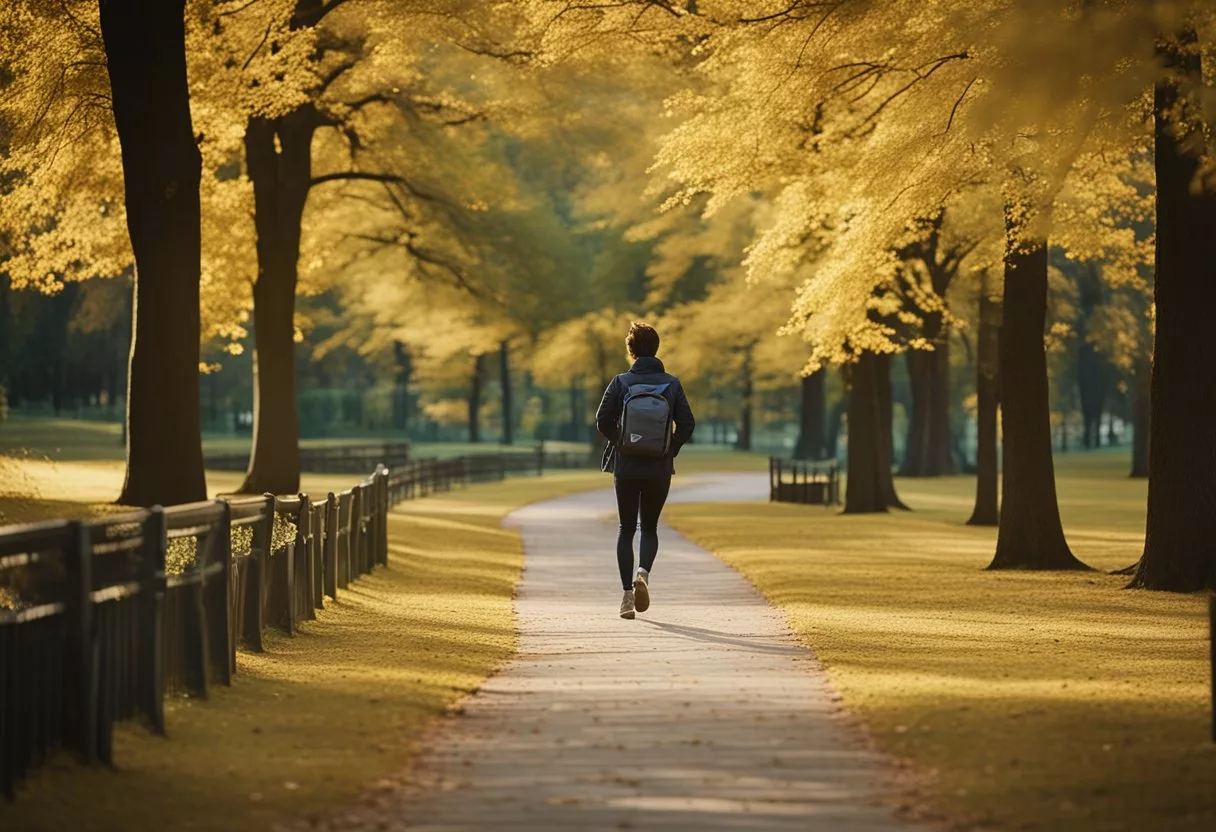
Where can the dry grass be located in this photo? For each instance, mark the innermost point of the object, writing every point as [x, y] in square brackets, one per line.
[1025, 701]
[317, 718]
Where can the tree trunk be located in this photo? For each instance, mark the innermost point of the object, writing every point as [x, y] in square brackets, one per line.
[811, 415]
[1091, 390]
[927, 452]
[743, 442]
[145, 45]
[401, 387]
[1180, 534]
[278, 154]
[916, 446]
[1142, 419]
[940, 460]
[869, 487]
[987, 387]
[886, 430]
[1030, 535]
[834, 424]
[6, 328]
[504, 375]
[475, 385]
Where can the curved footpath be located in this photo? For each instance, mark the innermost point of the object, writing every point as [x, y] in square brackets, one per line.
[704, 713]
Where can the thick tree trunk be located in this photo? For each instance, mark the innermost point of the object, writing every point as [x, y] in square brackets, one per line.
[475, 386]
[811, 414]
[1142, 418]
[1030, 534]
[987, 386]
[1180, 535]
[863, 491]
[145, 44]
[504, 375]
[869, 487]
[278, 154]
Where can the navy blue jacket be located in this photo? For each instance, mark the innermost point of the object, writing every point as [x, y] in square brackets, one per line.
[646, 370]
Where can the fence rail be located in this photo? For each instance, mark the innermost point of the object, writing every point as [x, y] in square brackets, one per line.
[345, 459]
[99, 619]
[810, 483]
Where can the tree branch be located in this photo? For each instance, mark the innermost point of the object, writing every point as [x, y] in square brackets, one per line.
[383, 178]
[311, 17]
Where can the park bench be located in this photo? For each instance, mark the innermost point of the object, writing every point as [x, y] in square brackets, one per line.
[809, 483]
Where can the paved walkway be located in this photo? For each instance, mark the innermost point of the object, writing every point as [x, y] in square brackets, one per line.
[701, 714]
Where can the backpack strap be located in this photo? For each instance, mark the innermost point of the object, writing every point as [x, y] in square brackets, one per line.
[652, 389]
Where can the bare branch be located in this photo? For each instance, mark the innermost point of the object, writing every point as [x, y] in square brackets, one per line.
[383, 178]
[258, 48]
[957, 103]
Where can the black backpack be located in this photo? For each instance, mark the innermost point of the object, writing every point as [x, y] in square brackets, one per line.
[645, 421]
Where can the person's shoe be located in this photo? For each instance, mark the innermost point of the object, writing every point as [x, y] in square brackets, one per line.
[627, 604]
[641, 592]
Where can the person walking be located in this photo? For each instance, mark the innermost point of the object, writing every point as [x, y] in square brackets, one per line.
[646, 418]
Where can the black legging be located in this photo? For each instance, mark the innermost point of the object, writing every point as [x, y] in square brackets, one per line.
[633, 497]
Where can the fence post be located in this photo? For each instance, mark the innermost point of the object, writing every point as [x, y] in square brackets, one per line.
[151, 593]
[255, 582]
[219, 620]
[540, 459]
[385, 503]
[304, 535]
[281, 589]
[346, 524]
[354, 561]
[81, 657]
[317, 555]
[1212, 657]
[330, 570]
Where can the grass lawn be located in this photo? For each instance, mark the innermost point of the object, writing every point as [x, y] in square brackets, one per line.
[51, 468]
[317, 718]
[1022, 700]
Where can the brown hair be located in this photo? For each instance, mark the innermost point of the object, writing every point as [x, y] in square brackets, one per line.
[642, 341]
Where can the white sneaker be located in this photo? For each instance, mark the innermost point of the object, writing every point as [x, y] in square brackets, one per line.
[641, 593]
[627, 604]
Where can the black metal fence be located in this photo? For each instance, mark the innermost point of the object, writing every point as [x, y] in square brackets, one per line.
[811, 483]
[99, 619]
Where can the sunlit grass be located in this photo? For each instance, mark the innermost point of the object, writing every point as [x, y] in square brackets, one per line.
[1023, 701]
[318, 718]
